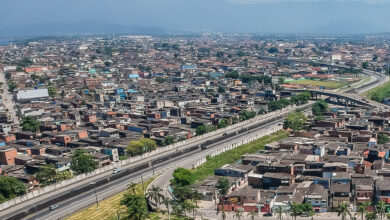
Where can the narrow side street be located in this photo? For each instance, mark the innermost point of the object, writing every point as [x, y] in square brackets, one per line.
[8, 100]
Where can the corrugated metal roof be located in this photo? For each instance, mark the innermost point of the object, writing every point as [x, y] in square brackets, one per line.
[32, 94]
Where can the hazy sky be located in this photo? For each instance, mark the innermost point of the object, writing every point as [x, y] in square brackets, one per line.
[262, 16]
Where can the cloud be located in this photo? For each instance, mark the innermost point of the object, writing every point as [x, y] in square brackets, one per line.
[278, 1]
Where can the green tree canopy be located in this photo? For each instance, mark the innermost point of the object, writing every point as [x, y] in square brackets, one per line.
[29, 123]
[12, 86]
[382, 138]
[169, 140]
[10, 187]
[52, 91]
[233, 74]
[46, 174]
[82, 162]
[245, 115]
[136, 206]
[223, 123]
[273, 50]
[319, 107]
[221, 89]
[141, 146]
[182, 177]
[203, 129]
[224, 185]
[295, 121]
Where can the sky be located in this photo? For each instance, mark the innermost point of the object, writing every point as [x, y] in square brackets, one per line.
[229, 16]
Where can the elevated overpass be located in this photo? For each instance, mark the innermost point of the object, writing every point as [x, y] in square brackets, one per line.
[351, 96]
[348, 99]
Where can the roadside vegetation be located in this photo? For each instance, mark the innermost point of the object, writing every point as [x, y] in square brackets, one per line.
[379, 93]
[110, 208]
[10, 187]
[207, 168]
[326, 84]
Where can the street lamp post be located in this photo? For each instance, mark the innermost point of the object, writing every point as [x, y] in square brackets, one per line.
[94, 189]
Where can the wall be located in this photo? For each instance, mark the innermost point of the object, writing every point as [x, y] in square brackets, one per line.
[177, 146]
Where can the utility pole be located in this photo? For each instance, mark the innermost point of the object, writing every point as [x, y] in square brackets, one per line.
[94, 189]
[143, 187]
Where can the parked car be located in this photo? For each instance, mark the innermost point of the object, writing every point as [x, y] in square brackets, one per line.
[268, 214]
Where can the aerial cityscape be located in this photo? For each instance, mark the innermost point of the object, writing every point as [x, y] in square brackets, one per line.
[194, 123]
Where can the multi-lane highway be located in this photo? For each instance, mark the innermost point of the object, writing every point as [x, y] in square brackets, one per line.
[82, 188]
[87, 197]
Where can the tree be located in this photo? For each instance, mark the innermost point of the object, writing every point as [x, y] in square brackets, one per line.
[29, 123]
[308, 209]
[381, 209]
[273, 50]
[295, 121]
[223, 213]
[12, 86]
[238, 214]
[196, 196]
[160, 80]
[107, 63]
[233, 74]
[262, 111]
[245, 115]
[182, 177]
[371, 216]
[224, 185]
[343, 211]
[295, 210]
[141, 146]
[221, 89]
[235, 120]
[82, 162]
[136, 206]
[219, 54]
[169, 140]
[155, 194]
[8, 75]
[240, 53]
[364, 65]
[281, 80]
[46, 174]
[132, 187]
[362, 209]
[253, 214]
[279, 211]
[319, 107]
[382, 138]
[223, 123]
[52, 91]
[201, 129]
[10, 187]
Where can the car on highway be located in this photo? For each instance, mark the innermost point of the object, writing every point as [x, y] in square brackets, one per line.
[53, 207]
[116, 170]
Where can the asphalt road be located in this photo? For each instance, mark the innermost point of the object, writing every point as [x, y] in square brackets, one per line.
[70, 206]
[8, 100]
[32, 203]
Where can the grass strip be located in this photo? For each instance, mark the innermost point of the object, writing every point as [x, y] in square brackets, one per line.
[108, 208]
[228, 157]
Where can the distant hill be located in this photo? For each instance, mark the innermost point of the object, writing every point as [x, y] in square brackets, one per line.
[76, 29]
